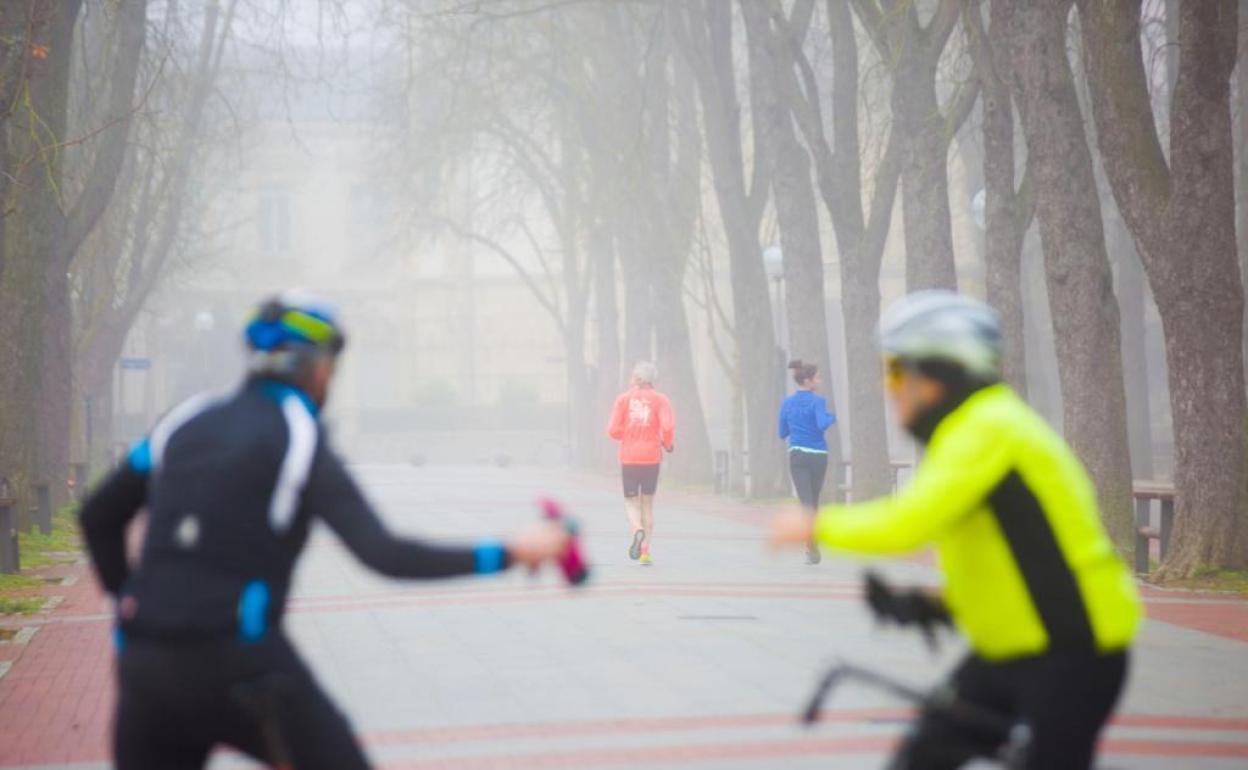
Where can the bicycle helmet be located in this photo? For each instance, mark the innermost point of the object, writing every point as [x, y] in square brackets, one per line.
[942, 326]
[290, 329]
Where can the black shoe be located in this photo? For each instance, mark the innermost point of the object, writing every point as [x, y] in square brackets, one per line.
[634, 550]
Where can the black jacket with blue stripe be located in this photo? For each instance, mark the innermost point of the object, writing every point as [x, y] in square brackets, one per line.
[231, 488]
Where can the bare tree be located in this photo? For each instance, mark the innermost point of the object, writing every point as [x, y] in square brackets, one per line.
[133, 251]
[793, 193]
[704, 31]
[56, 210]
[1008, 209]
[1169, 205]
[639, 118]
[1078, 275]
[913, 51]
[1241, 162]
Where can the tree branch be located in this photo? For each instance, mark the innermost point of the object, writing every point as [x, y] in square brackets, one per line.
[511, 259]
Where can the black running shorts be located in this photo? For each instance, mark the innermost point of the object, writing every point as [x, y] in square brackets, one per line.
[640, 479]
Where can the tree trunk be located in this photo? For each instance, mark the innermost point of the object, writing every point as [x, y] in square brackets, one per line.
[1169, 205]
[691, 462]
[794, 195]
[710, 35]
[860, 234]
[638, 304]
[1241, 174]
[1006, 219]
[1078, 276]
[1044, 391]
[924, 180]
[59, 229]
[607, 378]
[1132, 302]
[912, 52]
[672, 194]
[40, 216]
[871, 475]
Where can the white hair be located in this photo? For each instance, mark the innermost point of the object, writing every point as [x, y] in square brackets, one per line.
[644, 371]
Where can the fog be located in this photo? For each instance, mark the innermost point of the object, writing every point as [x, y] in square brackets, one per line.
[512, 202]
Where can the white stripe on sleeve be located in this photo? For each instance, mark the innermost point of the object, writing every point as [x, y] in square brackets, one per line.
[296, 465]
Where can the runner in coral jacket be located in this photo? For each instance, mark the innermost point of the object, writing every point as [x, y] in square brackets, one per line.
[643, 423]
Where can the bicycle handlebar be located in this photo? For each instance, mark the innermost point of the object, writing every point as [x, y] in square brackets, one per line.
[940, 701]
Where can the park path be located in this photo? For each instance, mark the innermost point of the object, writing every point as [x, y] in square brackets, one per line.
[700, 661]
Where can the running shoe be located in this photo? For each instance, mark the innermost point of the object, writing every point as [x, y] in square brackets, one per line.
[646, 561]
[634, 550]
[813, 556]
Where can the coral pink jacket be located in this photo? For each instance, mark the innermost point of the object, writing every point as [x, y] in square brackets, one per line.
[643, 423]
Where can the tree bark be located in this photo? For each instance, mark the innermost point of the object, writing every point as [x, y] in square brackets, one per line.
[704, 31]
[1132, 300]
[59, 229]
[913, 52]
[638, 304]
[651, 150]
[607, 375]
[1170, 205]
[794, 196]
[676, 178]
[1008, 210]
[1078, 276]
[1241, 173]
[860, 234]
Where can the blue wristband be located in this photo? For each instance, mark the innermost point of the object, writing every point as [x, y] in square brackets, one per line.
[140, 457]
[490, 556]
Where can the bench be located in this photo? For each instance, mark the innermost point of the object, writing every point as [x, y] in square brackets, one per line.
[10, 562]
[1144, 493]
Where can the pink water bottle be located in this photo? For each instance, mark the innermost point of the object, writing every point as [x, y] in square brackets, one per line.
[575, 570]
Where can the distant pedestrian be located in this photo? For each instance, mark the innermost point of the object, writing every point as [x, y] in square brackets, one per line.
[643, 423]
[804, 418]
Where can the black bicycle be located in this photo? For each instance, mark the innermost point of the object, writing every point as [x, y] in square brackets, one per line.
[984, 734]
[1000, 739]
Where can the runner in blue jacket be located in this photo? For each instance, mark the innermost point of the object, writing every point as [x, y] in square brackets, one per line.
[804, 418]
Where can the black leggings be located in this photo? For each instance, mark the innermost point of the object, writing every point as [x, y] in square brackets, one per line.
[1064, 698]
[177, 701]
[807, 470]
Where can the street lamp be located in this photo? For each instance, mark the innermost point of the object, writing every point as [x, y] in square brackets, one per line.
[773, 265]
[773, 262]
[204, 323]
[979, 209]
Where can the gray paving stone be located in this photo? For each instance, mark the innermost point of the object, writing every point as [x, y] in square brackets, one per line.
[715, 647]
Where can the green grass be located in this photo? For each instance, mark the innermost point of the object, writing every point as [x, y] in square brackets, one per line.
[22, 605]
[10, 583]
[1233, 580]
[40, 550]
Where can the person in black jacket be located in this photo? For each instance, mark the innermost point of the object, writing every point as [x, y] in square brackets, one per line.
[232, 487]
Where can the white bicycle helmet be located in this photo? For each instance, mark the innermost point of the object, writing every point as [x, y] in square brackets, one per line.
[938, 325]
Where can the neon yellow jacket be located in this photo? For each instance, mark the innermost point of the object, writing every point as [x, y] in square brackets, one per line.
[1028, 566]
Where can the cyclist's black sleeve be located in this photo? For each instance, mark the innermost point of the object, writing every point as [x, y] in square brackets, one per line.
[333, 496]
[104, 517]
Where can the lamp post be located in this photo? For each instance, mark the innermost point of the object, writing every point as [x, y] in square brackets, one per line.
[773, 264]
[204, 324]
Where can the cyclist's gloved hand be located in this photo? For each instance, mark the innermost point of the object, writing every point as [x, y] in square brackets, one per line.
[910, 607]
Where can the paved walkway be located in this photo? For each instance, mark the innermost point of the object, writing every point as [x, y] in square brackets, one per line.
[700, 661]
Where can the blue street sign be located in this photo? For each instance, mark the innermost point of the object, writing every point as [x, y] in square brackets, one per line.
[136, 364]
